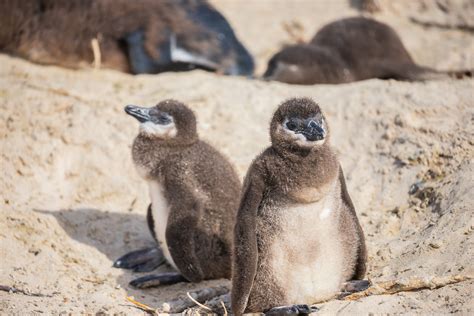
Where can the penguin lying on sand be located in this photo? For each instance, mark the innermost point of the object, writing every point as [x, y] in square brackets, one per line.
[349, 50]
[139, 36]
[194, 195]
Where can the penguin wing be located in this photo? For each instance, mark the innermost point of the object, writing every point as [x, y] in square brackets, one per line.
[362, 253]
[245, 242]
[185, 213]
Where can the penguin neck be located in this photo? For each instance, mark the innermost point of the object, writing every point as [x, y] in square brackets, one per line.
[178, 142]
[315, 160]
[310, 168]
[150, 153]
[300, 154]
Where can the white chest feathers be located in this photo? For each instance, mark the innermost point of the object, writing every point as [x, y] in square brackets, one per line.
[160, 211]
[307, 254]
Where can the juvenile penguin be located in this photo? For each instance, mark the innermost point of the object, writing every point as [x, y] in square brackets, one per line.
[297, 237]
[349, 50]
[194, 195]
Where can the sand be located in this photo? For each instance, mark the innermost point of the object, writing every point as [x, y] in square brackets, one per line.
[71, 201]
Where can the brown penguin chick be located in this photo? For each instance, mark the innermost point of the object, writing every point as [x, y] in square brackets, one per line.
[140, 36]
[297, 237]
[194, 195]
[349, 50]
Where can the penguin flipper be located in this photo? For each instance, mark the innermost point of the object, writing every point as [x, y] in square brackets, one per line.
[361, 265]
[185, 214]
[143, 260]
[245, 241]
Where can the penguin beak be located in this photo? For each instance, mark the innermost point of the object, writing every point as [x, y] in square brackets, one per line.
[313, 131]
[140, 113]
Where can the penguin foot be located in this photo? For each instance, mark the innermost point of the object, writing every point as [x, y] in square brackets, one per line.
[143, 260]
[219, 302]
[153, 280]
[353, 286]
[291, 310]
[215, 299]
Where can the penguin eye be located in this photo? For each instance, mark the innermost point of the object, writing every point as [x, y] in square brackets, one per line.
[159, 117]
[291, 125]
[164, 118]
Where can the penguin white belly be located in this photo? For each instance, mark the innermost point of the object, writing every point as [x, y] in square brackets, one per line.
[307, 255]
[160, 211]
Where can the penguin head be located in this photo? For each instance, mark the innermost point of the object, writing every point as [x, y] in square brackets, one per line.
[170, 121]
[299, 124]
[305, 64]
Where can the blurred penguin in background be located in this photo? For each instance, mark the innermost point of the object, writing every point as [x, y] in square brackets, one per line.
[140, 36]
[348, 50]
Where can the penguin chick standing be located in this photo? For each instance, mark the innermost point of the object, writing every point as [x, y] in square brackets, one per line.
[194, 194]
[297, 237]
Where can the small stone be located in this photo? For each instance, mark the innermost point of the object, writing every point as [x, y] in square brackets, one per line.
[415, 187]
[388, 135]
[399, 121]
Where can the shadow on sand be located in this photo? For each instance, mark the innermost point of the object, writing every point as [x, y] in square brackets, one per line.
[111, 233]
[115, 234]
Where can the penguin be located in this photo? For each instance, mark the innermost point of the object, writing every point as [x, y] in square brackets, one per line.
[140, 36]
[297, 238]
[194, 194]
[348, 50]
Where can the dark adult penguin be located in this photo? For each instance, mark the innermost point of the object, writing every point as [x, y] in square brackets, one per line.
[194, 195]
[349, 50]
[297, 236]
[140, 36]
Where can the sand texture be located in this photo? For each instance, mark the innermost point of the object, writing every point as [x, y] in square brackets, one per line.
[71, 201]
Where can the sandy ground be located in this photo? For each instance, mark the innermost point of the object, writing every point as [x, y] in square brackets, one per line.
[71, 201]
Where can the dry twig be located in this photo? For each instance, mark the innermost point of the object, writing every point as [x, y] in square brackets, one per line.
[96, 51]
[407, 285]
[197, 303]
[295, 31]
[454, 26]
[142, 306]
[225, 309]
[180, 304]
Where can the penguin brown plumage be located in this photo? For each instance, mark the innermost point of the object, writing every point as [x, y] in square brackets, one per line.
[194, 194]
[349, 50]
[297, 236]
[140, 36]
